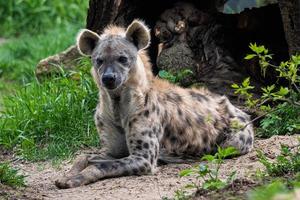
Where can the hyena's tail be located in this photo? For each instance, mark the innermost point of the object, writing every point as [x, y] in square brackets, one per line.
[240, 133]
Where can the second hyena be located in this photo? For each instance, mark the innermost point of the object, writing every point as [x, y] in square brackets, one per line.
[139, 116]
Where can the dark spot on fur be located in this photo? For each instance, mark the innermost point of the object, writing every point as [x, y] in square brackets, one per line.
[153, 108]
[139, 141]
[174, 97]
[102, 166]
[222, 101]
[130, 141]
[143, 169]
[159, 129]
[198, 96]
[156, 151]
[205, 138]
[139, 147]
[146, 113]
[173, 139]
[151, 143]
[146, 156]
[242, 138]
[115, 166]
[221, 138]
[79, 177]
[166, 115]
[146, 99]
[147, 165]
[126, 173]
[154, 129]
[150, 134]
[241, 118]
[249, 141]
[135, 170]
[199, 119]
[188, 121]
[146, 145]
[177, 97]
[179, 111]
[122, 164]
[139, 158]
[144, 133]
[132, 121]
[157, 110]
[205, 150]
[167, 131]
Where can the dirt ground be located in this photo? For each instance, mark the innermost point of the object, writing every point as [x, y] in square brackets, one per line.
[41, 176]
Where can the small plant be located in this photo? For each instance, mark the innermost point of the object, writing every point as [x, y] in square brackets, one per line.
[177, 77]
[288, 162]
[280, 104]
[209, 172]
[10, 176]
[283, 120]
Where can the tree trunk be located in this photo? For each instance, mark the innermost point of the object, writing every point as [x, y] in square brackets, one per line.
[104, 12]
[290, 12]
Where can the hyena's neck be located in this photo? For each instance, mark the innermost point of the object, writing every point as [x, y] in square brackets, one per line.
[137, 85]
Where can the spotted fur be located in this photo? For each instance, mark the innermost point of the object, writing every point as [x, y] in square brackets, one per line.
[144, 116]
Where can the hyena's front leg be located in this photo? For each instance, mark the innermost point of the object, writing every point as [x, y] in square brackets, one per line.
[143, 147]
[113, 143]
[80, 163]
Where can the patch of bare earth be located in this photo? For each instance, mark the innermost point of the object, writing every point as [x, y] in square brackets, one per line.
[41, 176]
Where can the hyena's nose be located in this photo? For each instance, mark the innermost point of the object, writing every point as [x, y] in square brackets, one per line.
[109, 79]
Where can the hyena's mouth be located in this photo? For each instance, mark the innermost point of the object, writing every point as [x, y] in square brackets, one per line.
[111, 82]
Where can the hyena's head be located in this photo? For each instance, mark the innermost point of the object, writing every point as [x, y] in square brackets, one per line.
[114, 53]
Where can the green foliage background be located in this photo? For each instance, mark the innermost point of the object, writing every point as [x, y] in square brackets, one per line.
[39, 16]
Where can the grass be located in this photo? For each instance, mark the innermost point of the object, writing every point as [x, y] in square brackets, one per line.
[285, 120]
[51, 120]
[19, 56]
[31, 16]
[9, 176]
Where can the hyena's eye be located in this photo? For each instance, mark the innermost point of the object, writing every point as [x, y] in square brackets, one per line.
[99, 61]
[123, 60]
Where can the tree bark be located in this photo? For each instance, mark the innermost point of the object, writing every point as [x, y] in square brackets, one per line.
[290, 12]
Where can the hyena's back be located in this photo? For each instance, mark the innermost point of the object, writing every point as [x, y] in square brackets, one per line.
[196, 121]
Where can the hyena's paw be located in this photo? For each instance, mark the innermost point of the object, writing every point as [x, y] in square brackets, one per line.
[69, 182]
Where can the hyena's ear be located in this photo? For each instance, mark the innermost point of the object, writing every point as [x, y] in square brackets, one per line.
[87, 41]
[139, 34]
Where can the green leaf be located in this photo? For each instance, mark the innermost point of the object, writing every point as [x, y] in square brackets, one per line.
[250, 56]
[283, 91]
[186, 172]
[235, 86]
[209, 158]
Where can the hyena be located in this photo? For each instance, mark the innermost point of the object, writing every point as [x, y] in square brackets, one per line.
[139, 116]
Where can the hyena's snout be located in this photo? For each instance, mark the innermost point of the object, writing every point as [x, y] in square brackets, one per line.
[110, 78]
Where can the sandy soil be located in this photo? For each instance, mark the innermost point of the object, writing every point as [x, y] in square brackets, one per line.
[41, 176]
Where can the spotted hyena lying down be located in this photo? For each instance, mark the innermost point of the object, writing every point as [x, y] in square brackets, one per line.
[139, 116]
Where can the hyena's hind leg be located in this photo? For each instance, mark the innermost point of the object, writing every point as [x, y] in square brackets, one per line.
[240, 133]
